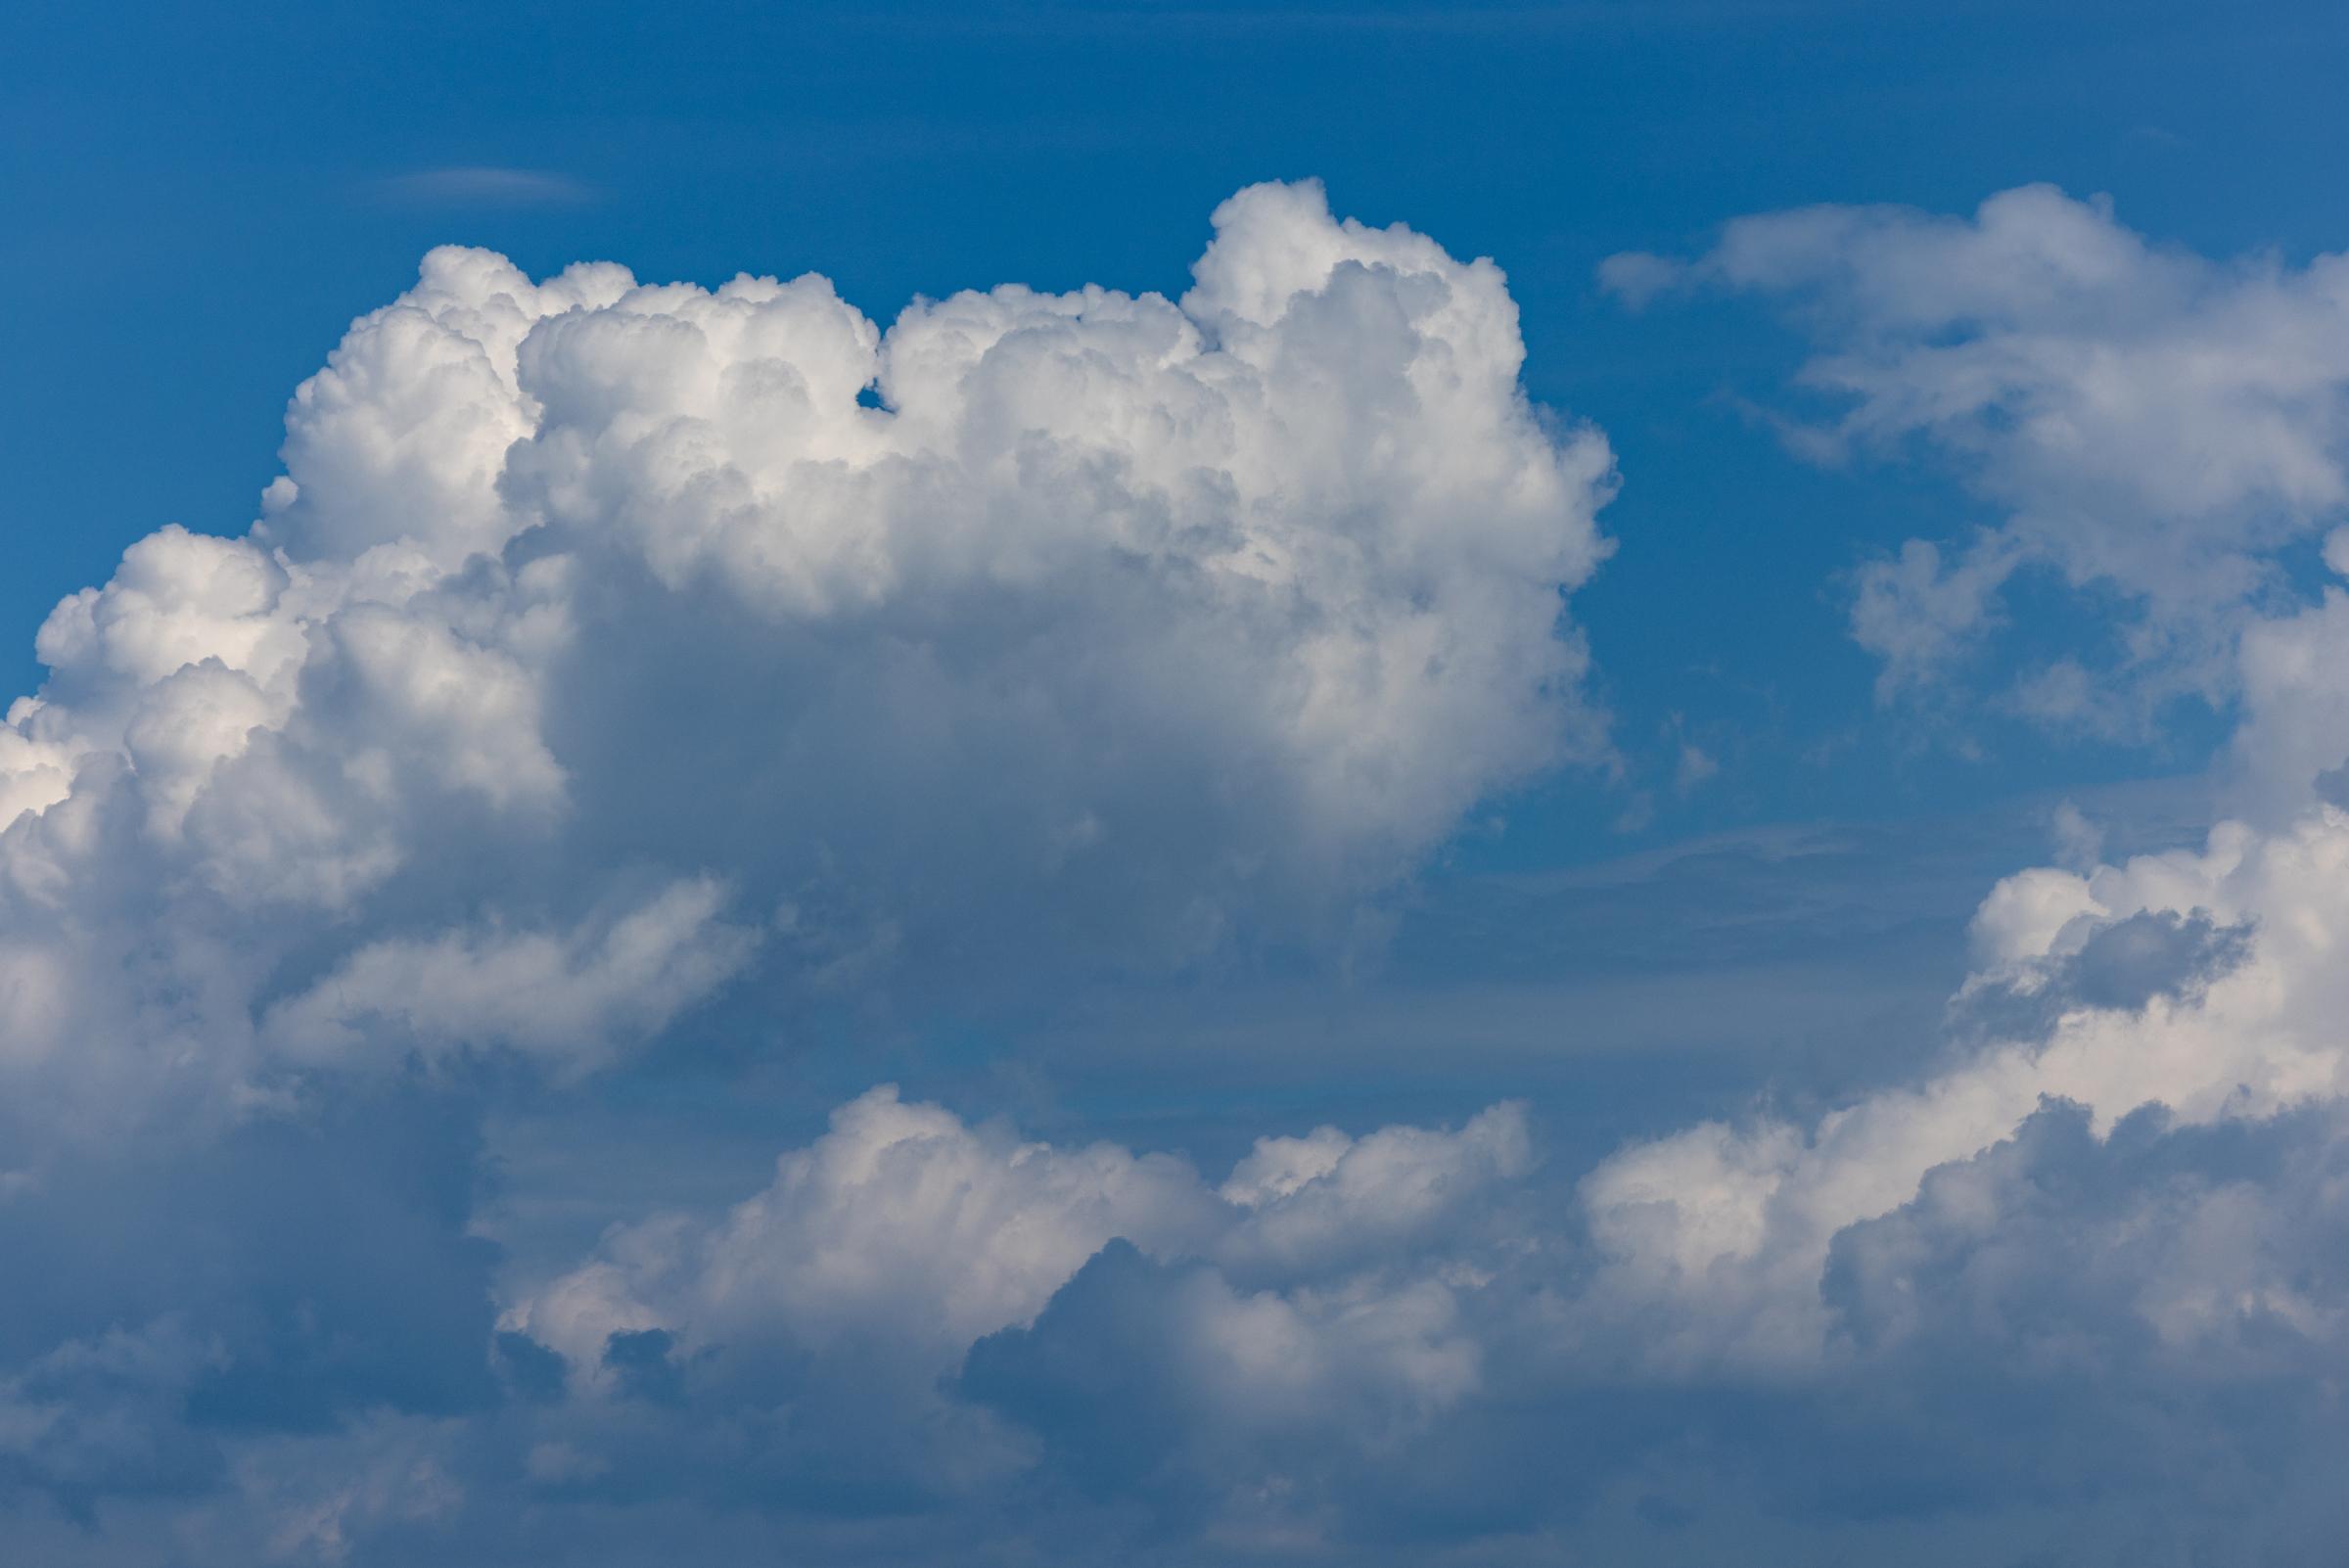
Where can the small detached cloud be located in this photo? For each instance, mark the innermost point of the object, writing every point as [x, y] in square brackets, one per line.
[485, 185]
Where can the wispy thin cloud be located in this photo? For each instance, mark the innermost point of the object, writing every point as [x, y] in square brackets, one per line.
[485, 185]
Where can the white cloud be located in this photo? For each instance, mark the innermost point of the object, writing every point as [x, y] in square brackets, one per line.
[1724, 1232]
[572, 998]
[604, 653]
[2152, 422]
[1128, 629]
[1918, 615]
[1325, 1200]
[602, 640]
[900, 1226]
[906, 1233]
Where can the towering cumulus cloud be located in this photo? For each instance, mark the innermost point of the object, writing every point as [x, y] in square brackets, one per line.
[606, 650]
[605, 641]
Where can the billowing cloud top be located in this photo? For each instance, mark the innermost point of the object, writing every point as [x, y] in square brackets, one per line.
[605, 641]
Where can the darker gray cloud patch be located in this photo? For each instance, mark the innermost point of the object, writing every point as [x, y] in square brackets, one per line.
[2333, 787]
[2156, 953]
[641, 1361]
[2118, 1312]
[112, 1423]
[162, 1303]
[2057, 1234]
[1148, 1447]
[1091, 1376]
[532, 1370]
[2122, 967]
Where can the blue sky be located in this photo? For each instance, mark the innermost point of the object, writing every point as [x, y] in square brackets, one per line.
[1214, 928]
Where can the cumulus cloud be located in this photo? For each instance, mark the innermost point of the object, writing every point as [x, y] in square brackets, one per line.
[2121, 1189]
[2155, 425]
[906, 1229]
[2110, 1239]
[2105, 1228]
[901, 1225]
[952, 1295]
[1122, 626]
[2123, 1214]
[611, 654]
[1724, 1230]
